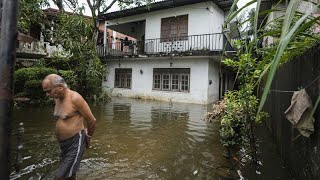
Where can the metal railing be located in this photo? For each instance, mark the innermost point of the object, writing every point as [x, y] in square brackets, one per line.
[203, 44]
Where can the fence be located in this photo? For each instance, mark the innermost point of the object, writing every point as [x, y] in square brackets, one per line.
[301, 154]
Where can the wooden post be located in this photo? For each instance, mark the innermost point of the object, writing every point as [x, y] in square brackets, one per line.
[8, 38]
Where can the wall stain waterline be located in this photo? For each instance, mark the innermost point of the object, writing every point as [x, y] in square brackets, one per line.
[140, 139]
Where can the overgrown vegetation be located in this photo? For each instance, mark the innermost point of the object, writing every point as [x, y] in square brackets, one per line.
[98, 8]
[292, 35]
[74, 34]
[239, 118]
[28, 83]
[77, 34]
[30, 13]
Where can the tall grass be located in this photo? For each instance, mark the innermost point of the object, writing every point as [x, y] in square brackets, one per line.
[290, 29]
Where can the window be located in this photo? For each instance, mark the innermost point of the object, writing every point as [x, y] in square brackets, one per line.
[171, 79]
[123, 78]
[174, 28]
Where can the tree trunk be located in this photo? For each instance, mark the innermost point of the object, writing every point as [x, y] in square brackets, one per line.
[95, 19]
[95, 36]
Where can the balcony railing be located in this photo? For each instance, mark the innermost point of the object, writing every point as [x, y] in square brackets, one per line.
[33, 49]
[39, 49]
[204, 44]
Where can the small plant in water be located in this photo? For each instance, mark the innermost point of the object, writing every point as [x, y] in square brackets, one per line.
[239, 119]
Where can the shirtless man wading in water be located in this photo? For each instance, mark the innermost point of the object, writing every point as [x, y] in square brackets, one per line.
[71, 110]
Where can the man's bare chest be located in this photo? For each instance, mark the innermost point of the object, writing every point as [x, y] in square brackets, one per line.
[64, 110]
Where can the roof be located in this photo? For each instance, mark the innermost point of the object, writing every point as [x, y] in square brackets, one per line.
[25, 38]
[225, 5]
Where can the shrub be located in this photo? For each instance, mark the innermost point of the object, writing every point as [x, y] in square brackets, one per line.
[33, 89]
[60, 62]
[105, 95]
[70, 77]
[27, 74]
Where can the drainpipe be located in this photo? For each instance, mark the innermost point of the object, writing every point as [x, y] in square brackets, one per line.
[7, 61]
[220, 82]
[105, 38]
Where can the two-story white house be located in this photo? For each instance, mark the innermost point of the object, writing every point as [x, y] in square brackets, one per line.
[177, 55]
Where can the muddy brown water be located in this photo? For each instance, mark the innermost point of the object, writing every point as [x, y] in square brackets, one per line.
[141, 139]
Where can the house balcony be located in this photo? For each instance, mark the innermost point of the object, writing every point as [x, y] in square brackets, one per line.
[38, 49]
[34, 50]
[194, 45]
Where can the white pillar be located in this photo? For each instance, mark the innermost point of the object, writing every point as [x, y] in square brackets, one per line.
[114, 41]
[105, 33]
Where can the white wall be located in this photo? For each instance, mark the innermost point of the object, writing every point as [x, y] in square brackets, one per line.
[201, 20]
[213, 88]
[142, 83]
[306, 7]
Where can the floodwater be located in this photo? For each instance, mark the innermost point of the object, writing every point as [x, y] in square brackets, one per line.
[141, 139]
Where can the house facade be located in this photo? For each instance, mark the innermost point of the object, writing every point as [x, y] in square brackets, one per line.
[176, 55]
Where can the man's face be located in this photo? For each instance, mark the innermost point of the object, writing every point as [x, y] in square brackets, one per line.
[52, 91]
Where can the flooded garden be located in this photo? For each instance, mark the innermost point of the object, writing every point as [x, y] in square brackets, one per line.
[142, 139]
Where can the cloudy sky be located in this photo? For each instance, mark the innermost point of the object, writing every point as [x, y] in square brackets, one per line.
[115, 7]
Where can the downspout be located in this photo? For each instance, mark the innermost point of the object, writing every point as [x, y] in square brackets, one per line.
[7, 61]
[222, 32]
[104, 46]
[220, 81]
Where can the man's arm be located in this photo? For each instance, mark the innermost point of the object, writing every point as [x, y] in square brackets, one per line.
[82, 106]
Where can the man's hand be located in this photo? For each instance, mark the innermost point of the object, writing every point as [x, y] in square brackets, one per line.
[82, 106]
[88, 139]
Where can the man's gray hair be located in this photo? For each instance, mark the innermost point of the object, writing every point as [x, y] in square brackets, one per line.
[58, 80]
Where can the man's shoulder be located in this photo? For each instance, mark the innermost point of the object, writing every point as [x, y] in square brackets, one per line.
[75, 96]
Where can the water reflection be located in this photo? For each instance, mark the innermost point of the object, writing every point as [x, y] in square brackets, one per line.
[134, 139]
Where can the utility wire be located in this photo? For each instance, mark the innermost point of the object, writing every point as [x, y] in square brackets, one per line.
[289, 91]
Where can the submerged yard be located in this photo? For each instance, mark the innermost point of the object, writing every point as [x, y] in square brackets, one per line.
[139, 139]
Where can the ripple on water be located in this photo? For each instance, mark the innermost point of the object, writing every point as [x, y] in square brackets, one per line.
[99, 168]
[29, 169]
[134, 139]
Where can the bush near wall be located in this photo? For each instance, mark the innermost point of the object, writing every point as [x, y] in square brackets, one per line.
[33, 89]
[61, 62]
[28, 81]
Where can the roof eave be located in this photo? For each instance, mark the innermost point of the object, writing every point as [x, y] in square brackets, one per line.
[225, 5]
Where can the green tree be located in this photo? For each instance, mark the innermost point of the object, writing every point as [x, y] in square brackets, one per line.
[98, 8]
[30, 12]
[74, 33]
